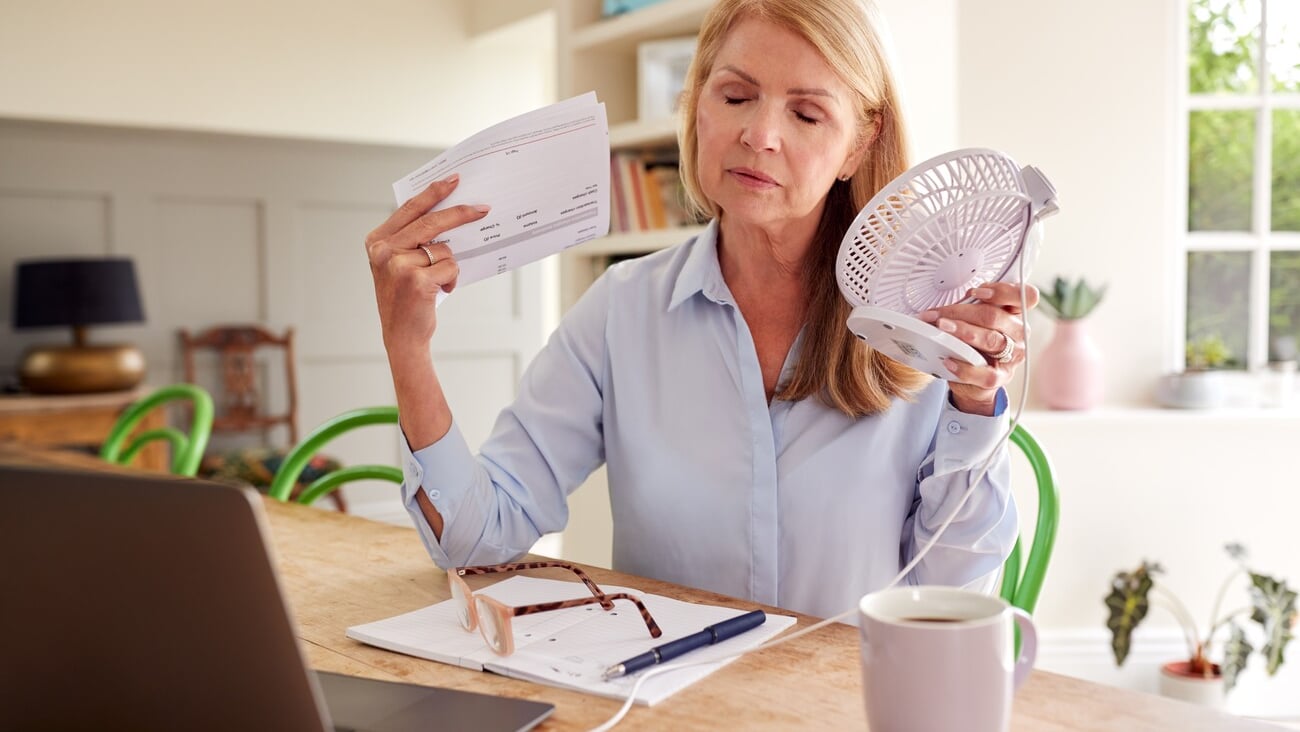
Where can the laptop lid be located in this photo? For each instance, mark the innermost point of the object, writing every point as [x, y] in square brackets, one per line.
[142, 602]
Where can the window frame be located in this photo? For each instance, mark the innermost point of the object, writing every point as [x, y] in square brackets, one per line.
[1260, 242]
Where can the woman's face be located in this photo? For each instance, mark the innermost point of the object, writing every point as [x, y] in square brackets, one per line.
[775, 125]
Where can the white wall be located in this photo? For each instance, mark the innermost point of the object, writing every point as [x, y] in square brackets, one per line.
[1085, 91]
[387, 71]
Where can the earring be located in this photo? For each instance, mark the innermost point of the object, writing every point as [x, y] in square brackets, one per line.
[845, 177]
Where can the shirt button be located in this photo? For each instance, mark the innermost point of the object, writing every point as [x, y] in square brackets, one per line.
[435, 494]
[953, 428]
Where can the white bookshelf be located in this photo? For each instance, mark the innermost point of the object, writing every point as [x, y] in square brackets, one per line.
[599, 54]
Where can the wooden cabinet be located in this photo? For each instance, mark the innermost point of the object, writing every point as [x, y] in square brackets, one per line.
[79, 421]
[600, 54]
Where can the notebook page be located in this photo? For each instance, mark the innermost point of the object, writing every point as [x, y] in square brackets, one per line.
[577, 656]
[435, 632]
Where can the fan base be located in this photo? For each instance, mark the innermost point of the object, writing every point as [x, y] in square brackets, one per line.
[910, 341]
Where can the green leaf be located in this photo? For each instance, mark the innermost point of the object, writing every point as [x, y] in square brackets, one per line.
[1128, 604]
[1067, 300]
[1235, 654]
[1275, 610]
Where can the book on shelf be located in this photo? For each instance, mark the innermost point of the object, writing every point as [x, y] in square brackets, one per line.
[647, 193]
[572, 647]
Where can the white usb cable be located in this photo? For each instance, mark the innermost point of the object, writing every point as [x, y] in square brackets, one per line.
[925, 548]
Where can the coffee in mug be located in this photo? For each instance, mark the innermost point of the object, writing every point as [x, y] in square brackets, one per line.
[939, 659]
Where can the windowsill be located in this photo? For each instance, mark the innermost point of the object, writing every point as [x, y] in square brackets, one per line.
[1154, 413]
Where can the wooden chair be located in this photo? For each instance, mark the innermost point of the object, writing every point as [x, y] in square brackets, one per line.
[242, 404]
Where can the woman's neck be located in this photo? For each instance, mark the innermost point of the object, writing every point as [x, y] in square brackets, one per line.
[764, 258]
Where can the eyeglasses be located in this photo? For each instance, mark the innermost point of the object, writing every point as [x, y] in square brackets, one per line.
[492, 617]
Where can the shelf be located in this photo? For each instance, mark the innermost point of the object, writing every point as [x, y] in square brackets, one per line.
[637, 242]
[668, 18]
[639, 134]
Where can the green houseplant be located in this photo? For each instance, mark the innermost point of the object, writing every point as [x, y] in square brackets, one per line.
[1207, 353]
[1067, 300]
[1272, 606]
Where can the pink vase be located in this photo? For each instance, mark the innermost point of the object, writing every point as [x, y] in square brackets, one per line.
[1068, 374]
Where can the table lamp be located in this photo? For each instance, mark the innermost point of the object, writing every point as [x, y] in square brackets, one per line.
[79, 293]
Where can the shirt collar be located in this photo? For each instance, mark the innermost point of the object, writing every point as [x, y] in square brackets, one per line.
[701, 272]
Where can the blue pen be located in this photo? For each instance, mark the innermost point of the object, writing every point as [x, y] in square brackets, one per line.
[672, 649]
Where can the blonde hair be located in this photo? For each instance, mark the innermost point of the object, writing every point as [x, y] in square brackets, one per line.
[834, 366]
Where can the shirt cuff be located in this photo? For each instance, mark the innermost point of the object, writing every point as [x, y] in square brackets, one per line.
[999, 402]
[450, 460]
[964, 440]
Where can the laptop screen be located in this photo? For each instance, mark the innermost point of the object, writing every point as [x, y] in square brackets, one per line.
[136, 601]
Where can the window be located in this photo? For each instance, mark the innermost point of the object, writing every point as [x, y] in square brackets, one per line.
[1242, 202]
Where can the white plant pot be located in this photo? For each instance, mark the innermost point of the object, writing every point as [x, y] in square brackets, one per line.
[1192, 390]
[1177, 682]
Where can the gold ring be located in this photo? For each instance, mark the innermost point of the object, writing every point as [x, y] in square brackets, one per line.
[1008, 349]
[428, 254]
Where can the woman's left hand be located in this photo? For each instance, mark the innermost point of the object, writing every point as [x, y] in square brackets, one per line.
[995, 326]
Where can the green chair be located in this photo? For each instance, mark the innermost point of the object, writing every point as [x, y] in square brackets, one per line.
[1020, 587]
[297, 459]
[187, 450]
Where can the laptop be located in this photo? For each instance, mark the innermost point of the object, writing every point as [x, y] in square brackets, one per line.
[130, 601]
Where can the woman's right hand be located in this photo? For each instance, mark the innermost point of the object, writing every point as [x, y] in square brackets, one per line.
[410, 267]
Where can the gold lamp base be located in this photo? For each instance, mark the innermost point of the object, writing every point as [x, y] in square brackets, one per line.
[81, 369]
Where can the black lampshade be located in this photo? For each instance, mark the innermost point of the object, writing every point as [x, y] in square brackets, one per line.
[54, 292]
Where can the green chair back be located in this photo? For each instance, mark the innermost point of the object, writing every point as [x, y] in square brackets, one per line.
[301, 455]
[187, 450]
[1022, 582]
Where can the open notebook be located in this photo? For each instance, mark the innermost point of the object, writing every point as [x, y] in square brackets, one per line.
[571, 647]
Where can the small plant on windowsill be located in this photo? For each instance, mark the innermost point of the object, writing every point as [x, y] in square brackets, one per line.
[1208, 353]
[1272, 606]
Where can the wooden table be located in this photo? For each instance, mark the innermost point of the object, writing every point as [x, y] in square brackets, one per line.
[340, 570]
[78, 421]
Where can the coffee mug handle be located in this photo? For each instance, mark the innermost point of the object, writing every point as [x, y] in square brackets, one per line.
[1028, 646]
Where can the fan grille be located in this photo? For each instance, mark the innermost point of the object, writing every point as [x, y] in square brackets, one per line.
[963, 212]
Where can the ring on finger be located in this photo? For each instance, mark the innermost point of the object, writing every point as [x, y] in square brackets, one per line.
[427, 253]
[1008, 349]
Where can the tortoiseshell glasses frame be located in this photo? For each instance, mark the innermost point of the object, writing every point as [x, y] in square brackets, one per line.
[492, 618]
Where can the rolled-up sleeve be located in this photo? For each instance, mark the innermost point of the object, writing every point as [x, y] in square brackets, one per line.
[497, 504]
[970, 552]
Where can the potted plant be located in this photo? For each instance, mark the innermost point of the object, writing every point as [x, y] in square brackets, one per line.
[1200, 385]
[1199, 678]
[1069, 373]
[1207, 353]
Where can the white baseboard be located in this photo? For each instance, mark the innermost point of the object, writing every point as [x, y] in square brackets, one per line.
[1085, 653]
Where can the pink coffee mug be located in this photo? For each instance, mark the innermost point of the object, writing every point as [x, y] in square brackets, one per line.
[938, 659]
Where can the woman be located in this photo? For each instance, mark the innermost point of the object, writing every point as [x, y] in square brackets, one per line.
[754, 446]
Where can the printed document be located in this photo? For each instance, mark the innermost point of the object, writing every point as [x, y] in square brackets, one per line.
[544, 173]
[570, 648]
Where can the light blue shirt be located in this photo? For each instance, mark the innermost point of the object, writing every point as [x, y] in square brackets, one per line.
[654, 373]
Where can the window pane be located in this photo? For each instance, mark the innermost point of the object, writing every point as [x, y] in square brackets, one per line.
[1284, 306]
[1223, 46]
[1220, 160]
[1284, 45]
[1286, 168]
[1218, 297]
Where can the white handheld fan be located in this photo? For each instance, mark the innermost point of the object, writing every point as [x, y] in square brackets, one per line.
[947, 224]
